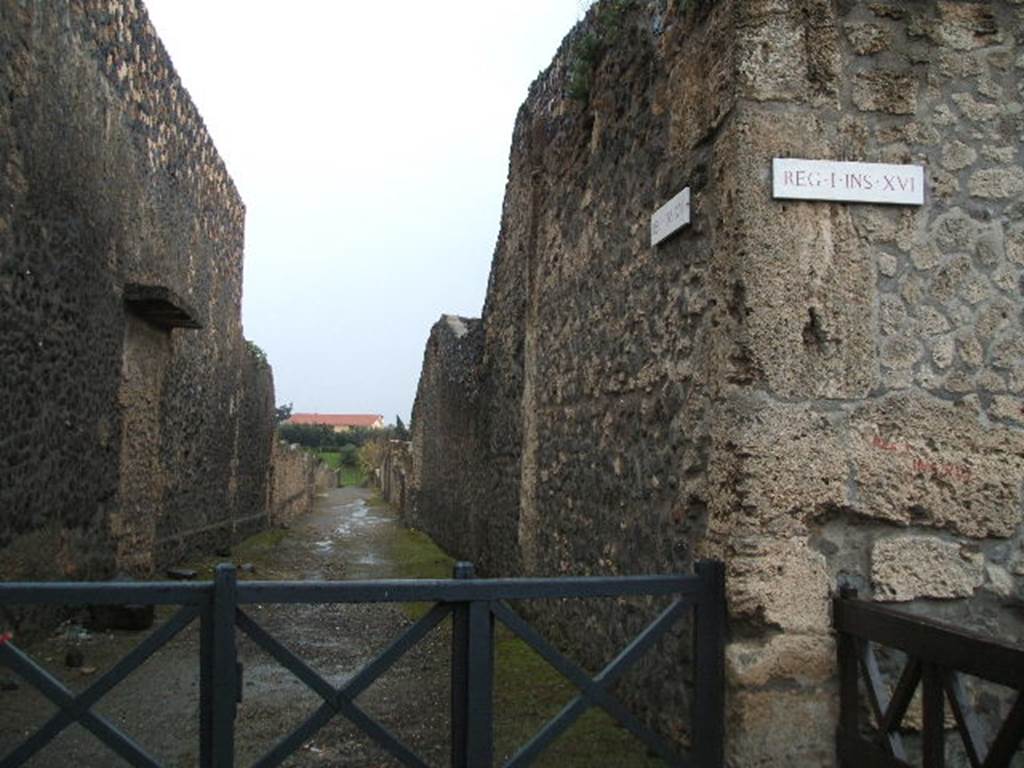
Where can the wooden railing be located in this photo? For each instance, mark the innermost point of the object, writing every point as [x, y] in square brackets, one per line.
[937, 657]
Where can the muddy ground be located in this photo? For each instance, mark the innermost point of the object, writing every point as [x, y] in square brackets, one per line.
[350, 535]
[345, 538]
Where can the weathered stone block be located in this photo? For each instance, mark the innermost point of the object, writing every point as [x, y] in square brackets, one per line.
[929, 462]
[964, 26]
[909, 567]
[997, 183]
[789, 658]
[781, 729]
[805, 330]
[881, 91]
[777, 583]
[957, 155]
[866, 39]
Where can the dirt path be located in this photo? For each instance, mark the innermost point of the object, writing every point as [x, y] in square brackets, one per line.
[345, 538]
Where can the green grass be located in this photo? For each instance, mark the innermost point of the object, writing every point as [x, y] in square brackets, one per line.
[331, 458]
[256, 549]
[351, 476]
[348, 475]
[527, 690]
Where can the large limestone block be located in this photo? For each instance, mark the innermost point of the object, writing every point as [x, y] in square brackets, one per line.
[775, 467]
[960, 26]
[781, 729]
[929, 462]
[803, 285]
[787, 51]
[908, 567]
[780, 583]
[784, 658]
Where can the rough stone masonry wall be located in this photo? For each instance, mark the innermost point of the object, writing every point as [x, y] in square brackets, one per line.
[448, 463]
[295, 482]
[396, 477]
[879, 443]
[122, 443]
[819, 394]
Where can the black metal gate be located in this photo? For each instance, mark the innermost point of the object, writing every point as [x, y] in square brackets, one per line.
[474, 604]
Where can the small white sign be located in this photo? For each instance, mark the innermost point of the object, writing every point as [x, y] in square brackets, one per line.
[671, 217]
[847, 182]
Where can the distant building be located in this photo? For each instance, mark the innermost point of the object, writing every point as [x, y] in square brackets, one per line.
[340, 422]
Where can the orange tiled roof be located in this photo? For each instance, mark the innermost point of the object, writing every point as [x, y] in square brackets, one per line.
[338, 419]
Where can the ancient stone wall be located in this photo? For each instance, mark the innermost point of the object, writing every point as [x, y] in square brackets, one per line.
[396, 477]
[448, 458]
[294, 482]
[134, 424]
[819, 394]
[324, 478]
[879, 444]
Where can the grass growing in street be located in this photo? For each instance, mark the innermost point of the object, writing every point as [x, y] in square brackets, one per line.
[347, 474]
[331, 458]
[527, 690]
[351, 475]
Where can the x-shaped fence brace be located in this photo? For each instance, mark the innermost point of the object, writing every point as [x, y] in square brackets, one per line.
[593, 692]
[78, 709]
[474, 606]
[889, 711]
[937, 658]
[341, 700]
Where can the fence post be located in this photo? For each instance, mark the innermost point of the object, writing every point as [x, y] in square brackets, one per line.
[225, 672]
[709, 700]
[460, 672]
[206, 682]
[932, 706]
[480, 699]
[849, 699]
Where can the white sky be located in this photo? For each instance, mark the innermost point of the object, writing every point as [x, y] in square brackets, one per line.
[370, 144]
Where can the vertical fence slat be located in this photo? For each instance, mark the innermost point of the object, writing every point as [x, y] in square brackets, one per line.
[849, 678]
[460, 673]
[709, 705]
[225, 680]
[480, 701]
[932, 701]
[206, 684]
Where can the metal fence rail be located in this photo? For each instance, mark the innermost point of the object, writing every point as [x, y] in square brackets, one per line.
[937, 656]
[474, 606]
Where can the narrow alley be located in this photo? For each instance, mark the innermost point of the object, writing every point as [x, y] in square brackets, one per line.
[346, 537]
[350, 534]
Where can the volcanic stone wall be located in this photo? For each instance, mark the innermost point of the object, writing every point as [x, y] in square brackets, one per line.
[396, 476]
[448, 439]
[294, 482]
[819, 394]
[135, 422]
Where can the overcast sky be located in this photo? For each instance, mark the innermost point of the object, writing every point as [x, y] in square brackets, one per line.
[370, 144]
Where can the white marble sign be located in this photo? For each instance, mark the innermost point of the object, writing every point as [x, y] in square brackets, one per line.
[797, 179]
[671, 217]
